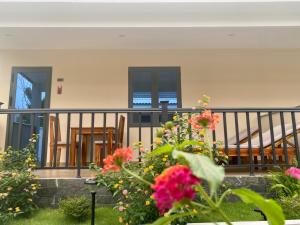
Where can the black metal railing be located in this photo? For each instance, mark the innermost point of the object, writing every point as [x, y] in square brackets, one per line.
[254, 139]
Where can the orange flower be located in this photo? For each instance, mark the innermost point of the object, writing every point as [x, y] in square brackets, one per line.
[115, 161]
[206, 119]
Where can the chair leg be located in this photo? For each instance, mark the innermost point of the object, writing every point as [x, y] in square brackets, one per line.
[51, 155]
[97, 154]
[58, 153]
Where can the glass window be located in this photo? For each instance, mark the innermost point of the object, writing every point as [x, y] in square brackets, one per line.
[149, 86]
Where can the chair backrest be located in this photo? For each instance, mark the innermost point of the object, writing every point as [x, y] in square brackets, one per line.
[121, 131]
[52, 130]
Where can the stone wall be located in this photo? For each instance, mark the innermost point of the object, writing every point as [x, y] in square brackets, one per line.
[53, 190]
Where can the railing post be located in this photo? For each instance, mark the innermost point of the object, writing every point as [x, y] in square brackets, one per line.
[164, 114]
[1, 103]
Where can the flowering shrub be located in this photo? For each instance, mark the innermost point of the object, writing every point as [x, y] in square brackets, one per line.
[169, 179]
[17, 183]
[285, 184]
[174, 185]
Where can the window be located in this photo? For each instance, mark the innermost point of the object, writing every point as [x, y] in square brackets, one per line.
[149, 86]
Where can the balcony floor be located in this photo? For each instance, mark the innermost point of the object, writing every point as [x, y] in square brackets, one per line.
[85, 173]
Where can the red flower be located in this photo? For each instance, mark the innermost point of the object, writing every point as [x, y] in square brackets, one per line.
[205, 119]
[293, 172]
[173, 185]
[115, 161]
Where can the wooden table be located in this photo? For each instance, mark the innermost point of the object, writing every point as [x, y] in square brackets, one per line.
[85, 132]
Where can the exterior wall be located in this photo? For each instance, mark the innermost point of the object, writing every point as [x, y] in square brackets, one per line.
[53, 190]
[99, 78]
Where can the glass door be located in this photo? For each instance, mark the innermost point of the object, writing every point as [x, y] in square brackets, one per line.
[30, 89]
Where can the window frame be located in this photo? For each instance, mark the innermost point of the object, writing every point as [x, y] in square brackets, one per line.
[154, 92]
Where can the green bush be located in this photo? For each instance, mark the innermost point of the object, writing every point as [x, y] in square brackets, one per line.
[291, 207]
[282, 186]
[77, 208]
[18, 185]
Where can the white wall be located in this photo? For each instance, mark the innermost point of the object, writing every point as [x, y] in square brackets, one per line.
[98, 79]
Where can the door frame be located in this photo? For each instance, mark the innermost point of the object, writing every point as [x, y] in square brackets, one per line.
[9, 129]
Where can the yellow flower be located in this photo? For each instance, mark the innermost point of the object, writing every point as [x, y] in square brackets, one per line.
[147, 203]
[120, 220]
[151, 167]
[146, 192]
[116, 186]
[164, 159]
[121, 182]
[17, 209]
[166, 156]
[30, 200]
[146, 170]
[195, 211]
[10, 209]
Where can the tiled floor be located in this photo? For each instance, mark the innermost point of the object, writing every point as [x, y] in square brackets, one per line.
[85, 173]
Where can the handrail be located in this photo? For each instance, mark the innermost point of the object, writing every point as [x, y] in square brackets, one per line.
[149, 110]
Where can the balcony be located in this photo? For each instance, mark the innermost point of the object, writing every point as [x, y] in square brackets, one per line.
[254, 139]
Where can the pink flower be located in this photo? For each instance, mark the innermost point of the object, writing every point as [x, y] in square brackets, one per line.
[115, 161]
[121, 208]
[205, 119]
[125, 192]
[173, 185]
[293, 172]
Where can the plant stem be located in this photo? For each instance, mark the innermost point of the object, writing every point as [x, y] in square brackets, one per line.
[223, 196]
[213, 205]
[136, 176]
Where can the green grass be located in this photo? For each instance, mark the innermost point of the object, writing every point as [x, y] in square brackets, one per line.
[237, 211]
[104, 216]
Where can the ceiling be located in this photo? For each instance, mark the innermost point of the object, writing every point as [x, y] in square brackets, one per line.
[145, 24]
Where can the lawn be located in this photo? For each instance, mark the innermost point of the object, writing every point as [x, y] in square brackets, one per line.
[106, 216]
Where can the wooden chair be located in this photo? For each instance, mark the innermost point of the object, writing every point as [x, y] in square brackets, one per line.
[60, 144]
[114, 140]
[267, 145]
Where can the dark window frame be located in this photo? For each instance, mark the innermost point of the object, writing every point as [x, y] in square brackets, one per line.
[155, 104]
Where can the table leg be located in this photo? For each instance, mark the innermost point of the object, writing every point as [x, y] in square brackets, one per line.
[73, 148]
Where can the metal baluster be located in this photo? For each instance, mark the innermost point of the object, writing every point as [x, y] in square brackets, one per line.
[20, 131]
[79, 149]
[32, 120]
[261, 144]
[237, 137]
[92, 146]
[225, 133]
[128, 128]
[272, 137]
[140, 135]
[55, 140]
[117, 131]
[249, 144]
[103, 153]
[151, 131]
[68, 140]
[284, 142]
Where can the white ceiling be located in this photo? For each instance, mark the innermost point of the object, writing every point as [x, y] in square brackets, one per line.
[161, 24]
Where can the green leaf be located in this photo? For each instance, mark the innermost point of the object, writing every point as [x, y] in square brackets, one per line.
[269, 207]
[165, 149]
[203, 167]
[185, 143]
